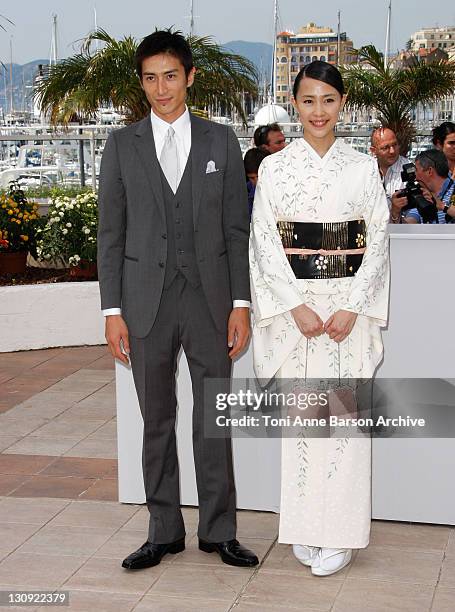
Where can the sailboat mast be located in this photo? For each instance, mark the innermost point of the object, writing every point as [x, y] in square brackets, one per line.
[191, 18]
[54, 50]
[275, 32]
[387, 36]
[11, 73]
[339, 38]
[95, 25]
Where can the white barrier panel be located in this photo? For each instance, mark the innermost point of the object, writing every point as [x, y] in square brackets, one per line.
[50, 314]
[412, 478]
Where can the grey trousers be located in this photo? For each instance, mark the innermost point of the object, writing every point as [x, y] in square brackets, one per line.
[183, 320]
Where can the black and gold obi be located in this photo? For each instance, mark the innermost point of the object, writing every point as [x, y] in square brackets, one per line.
[323, 250]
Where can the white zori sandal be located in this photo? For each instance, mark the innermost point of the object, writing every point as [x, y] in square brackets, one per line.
[330, 560]
[305, 554]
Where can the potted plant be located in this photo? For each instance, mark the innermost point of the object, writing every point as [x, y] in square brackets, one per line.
[70, 233]
[18, 227]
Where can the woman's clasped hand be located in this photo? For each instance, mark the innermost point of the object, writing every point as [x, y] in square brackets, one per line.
[338, 326]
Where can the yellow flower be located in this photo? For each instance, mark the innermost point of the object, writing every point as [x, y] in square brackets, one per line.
[24, 237]
[16, 210]
[10, 212]
[3, 205]
[20, 215]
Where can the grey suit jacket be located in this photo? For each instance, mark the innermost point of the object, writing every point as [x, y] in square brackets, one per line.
[132, 248]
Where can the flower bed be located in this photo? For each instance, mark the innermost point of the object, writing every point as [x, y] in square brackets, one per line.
[70, 230]
[19, 224]
[38, 314]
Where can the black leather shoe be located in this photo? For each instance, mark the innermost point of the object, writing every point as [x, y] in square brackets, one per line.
[231, 552]
[150, 554]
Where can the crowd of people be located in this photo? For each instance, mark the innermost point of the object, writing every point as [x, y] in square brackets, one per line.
[433, 171]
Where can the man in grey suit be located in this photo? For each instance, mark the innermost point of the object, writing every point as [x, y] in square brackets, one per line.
[173, 271]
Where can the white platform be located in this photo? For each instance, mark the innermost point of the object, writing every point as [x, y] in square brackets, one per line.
[412, 478]
[50, 314]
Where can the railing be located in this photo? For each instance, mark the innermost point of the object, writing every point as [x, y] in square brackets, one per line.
[39, 155]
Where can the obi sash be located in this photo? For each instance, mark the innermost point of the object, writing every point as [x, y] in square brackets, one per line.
[323, 250]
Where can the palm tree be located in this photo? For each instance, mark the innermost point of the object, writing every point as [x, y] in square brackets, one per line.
[79, 85]
[394, 93]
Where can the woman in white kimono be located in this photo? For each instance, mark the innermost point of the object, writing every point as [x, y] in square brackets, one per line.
[320, 278]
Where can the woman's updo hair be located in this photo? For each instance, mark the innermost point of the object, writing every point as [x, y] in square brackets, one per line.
[320, 71]
[441, 132]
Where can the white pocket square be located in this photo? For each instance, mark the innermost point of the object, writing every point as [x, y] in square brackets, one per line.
[211, 167]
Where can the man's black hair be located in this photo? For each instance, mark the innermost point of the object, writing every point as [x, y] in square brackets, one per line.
[164, 41]
[261, 133]
[441, 132]
[252, 160]
[434, 158]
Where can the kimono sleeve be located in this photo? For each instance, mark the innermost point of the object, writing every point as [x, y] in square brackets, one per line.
[274, 289]
[369, 292]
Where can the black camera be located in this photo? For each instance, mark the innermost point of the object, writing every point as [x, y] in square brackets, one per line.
[413, 192]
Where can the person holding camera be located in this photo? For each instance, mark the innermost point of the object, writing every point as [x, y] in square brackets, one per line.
[385, 147]
[432, 173]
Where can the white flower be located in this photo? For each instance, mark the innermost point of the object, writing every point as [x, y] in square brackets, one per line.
[86, 231]
[64, 231]
[69, 225]
[61, 213]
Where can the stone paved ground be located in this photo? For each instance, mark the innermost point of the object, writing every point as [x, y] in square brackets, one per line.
[61, 528]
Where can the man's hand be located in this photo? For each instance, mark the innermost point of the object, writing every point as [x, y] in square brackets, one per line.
[238, 330]
[428, 195]
[116, 331]
[309, 323]
[340, 325]
[398, 202]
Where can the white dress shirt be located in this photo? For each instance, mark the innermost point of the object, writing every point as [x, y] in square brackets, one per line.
[392, 179]
[182, 128]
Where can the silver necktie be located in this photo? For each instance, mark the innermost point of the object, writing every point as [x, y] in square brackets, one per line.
[169, 160]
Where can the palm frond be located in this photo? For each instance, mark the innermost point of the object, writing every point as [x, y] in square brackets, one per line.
[92, 78]
[394, 93]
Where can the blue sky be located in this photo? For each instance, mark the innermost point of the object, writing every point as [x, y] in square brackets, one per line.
[364, 21]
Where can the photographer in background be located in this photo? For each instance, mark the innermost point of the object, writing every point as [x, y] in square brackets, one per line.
[252, 161]
[385, 147]
[432, 172]
[269, 138]
[444, 139]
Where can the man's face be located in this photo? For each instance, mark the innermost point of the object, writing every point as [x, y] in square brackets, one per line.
[165, 83]
[275, 142]
[421, 173]
[252, 177]
[386, 148]
[425, 177]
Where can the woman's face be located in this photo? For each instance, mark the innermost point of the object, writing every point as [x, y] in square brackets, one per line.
[318, 105]
[448, 148]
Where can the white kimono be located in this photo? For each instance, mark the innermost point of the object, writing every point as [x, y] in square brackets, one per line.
[326, 483]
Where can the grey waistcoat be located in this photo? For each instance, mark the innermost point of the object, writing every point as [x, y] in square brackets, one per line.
[181, 254]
